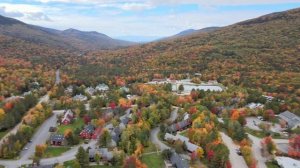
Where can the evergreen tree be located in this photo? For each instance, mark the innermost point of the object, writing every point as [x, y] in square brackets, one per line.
[82, 157]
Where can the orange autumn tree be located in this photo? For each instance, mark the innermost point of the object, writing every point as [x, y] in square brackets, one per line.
[294, 147]
[133, 162]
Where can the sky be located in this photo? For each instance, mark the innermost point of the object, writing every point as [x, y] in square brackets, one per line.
[139, 20]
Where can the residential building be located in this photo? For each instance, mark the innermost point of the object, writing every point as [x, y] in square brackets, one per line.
[90, 91]
[291, 119]
[286, 162]
[57, 139]
[179, 126]
[178, 162]
[80, 97]
[190, 146]
[104, 153]
[102, 87]
[87, 132]
[67, 117]
[255, 106]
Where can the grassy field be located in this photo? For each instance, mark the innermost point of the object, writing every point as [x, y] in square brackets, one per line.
[153, 160]
[262, 134]
[71, 164]
[76, 124]
[272, 165]
[150, 148]
[55, 151]
[3, 133]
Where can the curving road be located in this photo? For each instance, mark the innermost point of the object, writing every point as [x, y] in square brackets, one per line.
[236, 160]
[154, 139]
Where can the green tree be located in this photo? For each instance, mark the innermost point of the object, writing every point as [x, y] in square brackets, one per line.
[82, 157]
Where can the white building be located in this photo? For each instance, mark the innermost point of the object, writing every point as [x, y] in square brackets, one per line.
[255, 106]
[90, 91]
[286, 162]
[80, 98]
[102, 87]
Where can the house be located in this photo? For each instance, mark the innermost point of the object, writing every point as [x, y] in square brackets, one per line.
[255, 106]
[179, 126]
[268, 98]
[69, 90]
[80, 97]
[90, 91]
[291, 119]
[124, 121]
[115, 136]
[57, 139]
[178, 162]
[102, 87]
[102, 152]
[87, 132]
[124, 89]
[286, 162]
[68, 117]
[190, 146]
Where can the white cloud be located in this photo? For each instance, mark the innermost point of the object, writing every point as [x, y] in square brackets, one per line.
[31, 12]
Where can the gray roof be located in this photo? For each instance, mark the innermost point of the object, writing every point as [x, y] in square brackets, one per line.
[180, 125]
[291, 118]
[178, 161]
[57, 137]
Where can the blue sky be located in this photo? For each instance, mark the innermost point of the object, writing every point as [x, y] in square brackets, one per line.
[139, 18]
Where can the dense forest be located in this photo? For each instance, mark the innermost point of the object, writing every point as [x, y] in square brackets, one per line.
[261, 53]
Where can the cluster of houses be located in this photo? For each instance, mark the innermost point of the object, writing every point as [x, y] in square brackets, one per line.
[179, 126]
[89, 91]
[176, 161]
[189, 146]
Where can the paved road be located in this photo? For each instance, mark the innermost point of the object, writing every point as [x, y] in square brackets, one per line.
[69, 155]
[45, 98]
[256, 150]
[174, 114]
[41, 136]
[154, 139]
[236, 160]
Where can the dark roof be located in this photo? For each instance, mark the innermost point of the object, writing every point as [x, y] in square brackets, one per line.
[178, 161]
[180, 125]
[125, 120]
[57, 137]
[115, 135]
[90, 128]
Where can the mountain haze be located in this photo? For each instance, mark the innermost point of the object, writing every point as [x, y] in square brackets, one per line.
[68, 39]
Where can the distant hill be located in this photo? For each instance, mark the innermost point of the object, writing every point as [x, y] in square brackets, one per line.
[71, 38]
[189, 32]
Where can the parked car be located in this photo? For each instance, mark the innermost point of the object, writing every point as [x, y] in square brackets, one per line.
[238, 151]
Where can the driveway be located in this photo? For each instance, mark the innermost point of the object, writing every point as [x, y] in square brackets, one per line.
[154, 139]
[41, 136]
[174, 114]
[253, 123]
[256, 150]
[236, 160]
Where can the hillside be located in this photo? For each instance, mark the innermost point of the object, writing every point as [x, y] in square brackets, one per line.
[68, 39]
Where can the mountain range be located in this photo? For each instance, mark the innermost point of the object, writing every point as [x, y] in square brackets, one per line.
[67, 39]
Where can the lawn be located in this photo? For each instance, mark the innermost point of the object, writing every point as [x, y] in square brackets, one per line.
[183, 133]
[153, 160]
[262, 134]
[3, 133]
[71, 164]
[272, 165]
[78, 123]
[150, 148]
[55, 151]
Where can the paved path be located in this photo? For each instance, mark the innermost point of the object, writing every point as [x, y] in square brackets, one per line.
[236, 160]
[154, 139]
[41, 136]
[174, 114]
[256, 150]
